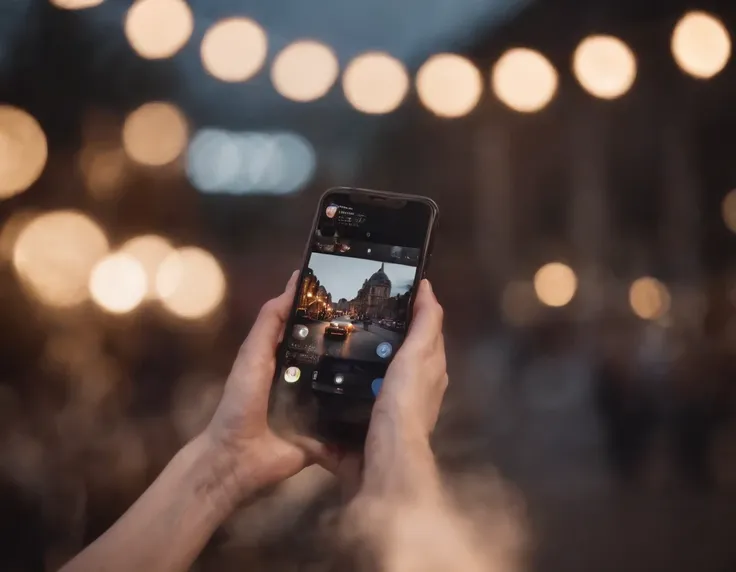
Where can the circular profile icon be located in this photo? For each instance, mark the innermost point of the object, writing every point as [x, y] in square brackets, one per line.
[384, 350]
[292, 375]
[339, 379]
[300, 332]
[331, 211]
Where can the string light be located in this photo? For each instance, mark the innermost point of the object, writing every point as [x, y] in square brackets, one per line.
[234, 50]
[23, 151]
[375, 83]
[555, 284]
[605, 66]
[649, 298]
[304, 70]
[158, 29]
[117, 283]
[701, 45]
[150, 251]
[76, 4]
[524, 80]
[155, 134]
[55, 253]
[190, 283]
[449, 85]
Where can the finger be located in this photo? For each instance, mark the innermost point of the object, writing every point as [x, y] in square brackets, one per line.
[323, 455]
[426, 325]
[265, 333]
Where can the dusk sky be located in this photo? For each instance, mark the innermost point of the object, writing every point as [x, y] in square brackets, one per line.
[343, 276]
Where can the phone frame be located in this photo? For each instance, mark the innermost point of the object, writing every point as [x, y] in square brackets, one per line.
[422, 267]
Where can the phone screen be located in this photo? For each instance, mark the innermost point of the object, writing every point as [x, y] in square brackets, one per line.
[353, 302]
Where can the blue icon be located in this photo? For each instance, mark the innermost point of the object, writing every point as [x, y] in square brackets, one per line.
[376, 385]
[384, 350]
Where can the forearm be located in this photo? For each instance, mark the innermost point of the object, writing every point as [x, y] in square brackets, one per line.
[170, 524]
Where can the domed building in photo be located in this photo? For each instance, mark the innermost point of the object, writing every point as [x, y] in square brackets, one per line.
[374, 295]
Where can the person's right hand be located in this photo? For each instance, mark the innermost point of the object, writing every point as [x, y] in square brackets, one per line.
[398, 459]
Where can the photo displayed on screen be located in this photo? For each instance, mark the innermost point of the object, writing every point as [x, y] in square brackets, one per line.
[352, 308]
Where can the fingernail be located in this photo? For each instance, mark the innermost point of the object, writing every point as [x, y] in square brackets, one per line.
[292, 278]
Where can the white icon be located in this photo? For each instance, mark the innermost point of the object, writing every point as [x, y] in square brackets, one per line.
[369, 251]
[292, 375]
[339, 378]
[300, 332]
[384, 350]
[331, 211]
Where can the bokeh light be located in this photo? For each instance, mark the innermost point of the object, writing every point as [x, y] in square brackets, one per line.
[158, 29]
[605, 66]
[701, 45]
[729, 210]
[304, 70]
[190, 283]
[234, 49]
[375, 83]
[55, 253]
[449, 85]
[249, 163]
[11, 230]
[76, 4]
[155, 134]
[118, 283]
[555, 284]
[150, 251]
[524, 80]
[649, 298]
[23, 151]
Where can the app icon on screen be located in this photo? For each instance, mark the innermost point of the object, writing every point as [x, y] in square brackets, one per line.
[300, 332]
[339, 378]
[376, 385]
[331, 211]
[292, 375]
[384, 350]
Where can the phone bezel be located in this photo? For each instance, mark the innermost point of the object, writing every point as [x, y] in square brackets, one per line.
[424, 259]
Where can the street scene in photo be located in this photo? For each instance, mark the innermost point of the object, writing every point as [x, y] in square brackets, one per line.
[352, 308]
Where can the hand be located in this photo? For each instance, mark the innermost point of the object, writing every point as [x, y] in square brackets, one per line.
[398, 458]
[247, 455]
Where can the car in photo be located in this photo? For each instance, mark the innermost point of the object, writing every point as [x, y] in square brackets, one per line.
[339, 327]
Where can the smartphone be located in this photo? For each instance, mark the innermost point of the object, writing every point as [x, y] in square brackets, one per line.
[366, 254]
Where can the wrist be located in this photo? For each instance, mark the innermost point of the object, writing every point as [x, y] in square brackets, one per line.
[214, 474]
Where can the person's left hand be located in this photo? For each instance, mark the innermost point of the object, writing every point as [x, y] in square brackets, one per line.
[246, 454]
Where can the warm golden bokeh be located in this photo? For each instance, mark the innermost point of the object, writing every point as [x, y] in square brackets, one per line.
[728, 209]
[76, 4]
[155, 134]
[150, 251]
[449, 85]
[55, 253]
[605, 66]
[649, 298]
[375, 83]
[234, 50]
[23, 151]
[158, 29]
[701, 45]
[190, 283]
[118, 283]
[524, 80]
[11, 230]
[304, 70]
[555, 284]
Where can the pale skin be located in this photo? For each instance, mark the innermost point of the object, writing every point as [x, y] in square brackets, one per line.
[238, 454]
